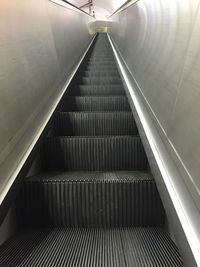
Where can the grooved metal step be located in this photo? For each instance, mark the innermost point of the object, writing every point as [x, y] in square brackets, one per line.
[94, 103]
[93, 153]
[94, 124]
[90, 199]
[101, 56]
[100, 67]
[101, 73]
[118, 247]
[97, 90]
[100, 80]
[101, 60]
[100, 63]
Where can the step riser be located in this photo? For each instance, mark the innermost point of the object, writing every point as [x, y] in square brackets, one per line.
[99, 60]
[101, 56]
[99, 67]
[68, 204]
[96, 104]
[98, 91]
[93, 74]
[100, 81]
[105, 69]
[105, 72]
[100, 63]
[102, 87]
[93, 154]
[95, 124]
[106, 92]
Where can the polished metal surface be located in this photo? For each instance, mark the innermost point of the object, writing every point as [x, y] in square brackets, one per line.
[182, 213]
[159, 42]
[41, 44]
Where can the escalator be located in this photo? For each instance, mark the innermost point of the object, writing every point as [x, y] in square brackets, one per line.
[94, 202]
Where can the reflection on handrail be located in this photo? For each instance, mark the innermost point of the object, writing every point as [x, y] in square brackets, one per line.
[124, 6]
[74, 7]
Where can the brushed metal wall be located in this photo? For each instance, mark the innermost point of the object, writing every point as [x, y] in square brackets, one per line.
[160, 43]
[40, 44]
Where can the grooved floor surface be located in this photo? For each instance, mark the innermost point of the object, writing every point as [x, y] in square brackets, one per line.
[118, 247]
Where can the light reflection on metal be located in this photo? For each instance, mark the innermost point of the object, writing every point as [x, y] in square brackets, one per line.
[161, 46]
[166, 166]
[159, 41]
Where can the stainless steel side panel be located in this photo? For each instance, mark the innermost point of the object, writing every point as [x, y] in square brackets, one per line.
[40, 45]
[159, 41]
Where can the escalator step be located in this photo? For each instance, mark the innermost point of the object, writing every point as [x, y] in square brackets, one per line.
[94, 124]
[119, 247]
[100, 63]
[103, 73]
[97, 90]
[101, 60]
[90, 199]
[100, 67]
[101, 80]
[93, 153]
[101, 57]
[105, 55]
[93, 103]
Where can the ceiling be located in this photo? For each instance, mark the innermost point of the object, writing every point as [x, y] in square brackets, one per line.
[101, 7]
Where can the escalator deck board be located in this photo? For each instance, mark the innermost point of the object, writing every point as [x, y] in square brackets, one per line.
[117, 247]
